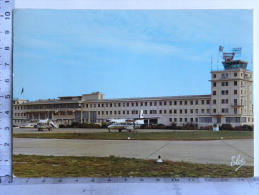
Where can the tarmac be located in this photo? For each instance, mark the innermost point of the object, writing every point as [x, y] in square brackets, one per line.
[206, 152]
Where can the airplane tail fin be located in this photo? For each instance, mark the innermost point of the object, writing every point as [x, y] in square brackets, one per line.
[141, 114]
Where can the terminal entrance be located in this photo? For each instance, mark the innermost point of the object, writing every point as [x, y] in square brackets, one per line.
[151, 121]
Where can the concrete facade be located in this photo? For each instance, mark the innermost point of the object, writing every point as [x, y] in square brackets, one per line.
[230, 102]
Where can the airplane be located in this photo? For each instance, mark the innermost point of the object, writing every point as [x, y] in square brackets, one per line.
[127, 124]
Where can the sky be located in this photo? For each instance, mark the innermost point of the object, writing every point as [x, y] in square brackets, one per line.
[124, 53]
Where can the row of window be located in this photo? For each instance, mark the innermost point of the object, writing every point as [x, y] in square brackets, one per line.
[136, 104]
[226, 83]
[135, 112]
[226, 75]
[18, 121]
[63, 113]
[19, 114]
[209, 120]
[179, 111]
[191, 120]
[53, 106]
[18, 107]
[225, 101]
[235, 119]
[225, 92]
[124, 104]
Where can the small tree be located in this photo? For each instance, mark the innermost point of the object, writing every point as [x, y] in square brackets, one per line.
[173, 126]
[247, 128]
[226, 127]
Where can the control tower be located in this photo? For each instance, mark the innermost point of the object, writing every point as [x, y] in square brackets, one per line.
[231, 93]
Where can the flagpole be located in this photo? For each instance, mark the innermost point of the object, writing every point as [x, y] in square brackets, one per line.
[218, 61]
[221, 48]
[211, 62]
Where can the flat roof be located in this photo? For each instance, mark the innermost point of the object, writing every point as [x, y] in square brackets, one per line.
[159, 98]
[162, 98]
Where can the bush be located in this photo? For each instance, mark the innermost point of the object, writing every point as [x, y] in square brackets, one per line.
[104, 125]
[89, 125]
[247, 128]
[81, 125]
[189, 126]
[226, 127]
[237, 128]
[172, 126]
[75, 124]
[160, 126]
[209, 127]
[244, 128]
[144, 126]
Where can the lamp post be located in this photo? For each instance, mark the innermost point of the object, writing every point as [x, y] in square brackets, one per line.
[81, 113]
[48, 114]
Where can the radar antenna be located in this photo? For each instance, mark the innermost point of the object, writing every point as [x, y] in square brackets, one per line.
[227, 56]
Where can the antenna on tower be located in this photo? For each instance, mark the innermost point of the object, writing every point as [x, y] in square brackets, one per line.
[221, 48]
[230, 56]
[237, 51]
[251, 62]
[211, 63]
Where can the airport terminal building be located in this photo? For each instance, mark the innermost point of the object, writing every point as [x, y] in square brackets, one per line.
[230, 102]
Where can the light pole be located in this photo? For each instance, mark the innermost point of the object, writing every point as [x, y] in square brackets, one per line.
[48, 113]
[81, 113]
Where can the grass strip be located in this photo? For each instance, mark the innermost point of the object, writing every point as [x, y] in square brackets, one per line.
[70, 166]
[190, 135]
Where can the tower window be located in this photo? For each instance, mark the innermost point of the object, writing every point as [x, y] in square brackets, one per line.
[224, 84]
[224, 92]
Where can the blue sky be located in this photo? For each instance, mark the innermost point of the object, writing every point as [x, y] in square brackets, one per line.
[123, 53]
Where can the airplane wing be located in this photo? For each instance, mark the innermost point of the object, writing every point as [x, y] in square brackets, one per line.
[135, 119]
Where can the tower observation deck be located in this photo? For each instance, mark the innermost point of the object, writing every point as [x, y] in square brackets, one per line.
[230, 63]
[235, 64]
